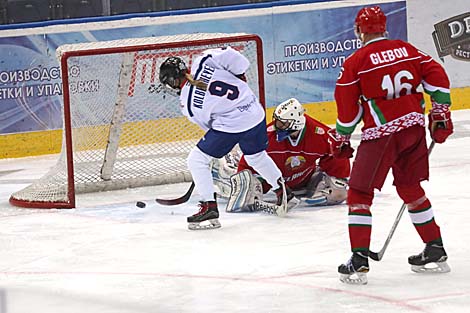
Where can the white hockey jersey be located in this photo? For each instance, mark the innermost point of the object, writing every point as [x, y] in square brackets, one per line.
[228, 104]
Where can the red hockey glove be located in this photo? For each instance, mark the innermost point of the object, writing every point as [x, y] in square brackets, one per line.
[340, 147]
[440, 124]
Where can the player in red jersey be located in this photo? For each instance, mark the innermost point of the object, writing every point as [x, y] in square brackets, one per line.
[299, 146]
[378, 85]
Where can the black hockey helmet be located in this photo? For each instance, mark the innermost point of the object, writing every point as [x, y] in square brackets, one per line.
[171, 72]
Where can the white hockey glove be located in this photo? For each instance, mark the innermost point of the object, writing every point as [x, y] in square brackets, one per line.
[222, 169]
[325, 190]
[245, 188]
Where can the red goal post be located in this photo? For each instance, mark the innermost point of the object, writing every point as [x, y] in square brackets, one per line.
[119, 130]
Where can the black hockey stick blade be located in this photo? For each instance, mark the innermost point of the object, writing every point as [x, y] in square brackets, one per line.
[184, 198]
[376, 256]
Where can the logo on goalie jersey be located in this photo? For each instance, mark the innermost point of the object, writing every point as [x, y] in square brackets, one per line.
[319, 130]
[295, 161]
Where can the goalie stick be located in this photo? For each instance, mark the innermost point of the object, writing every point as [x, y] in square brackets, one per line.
[184, 198]
[377, 256]
[274, 209]
[246, 196]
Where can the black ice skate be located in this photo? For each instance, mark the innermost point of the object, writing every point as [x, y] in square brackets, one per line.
[207, 212]
[355, 270]
[431, 260]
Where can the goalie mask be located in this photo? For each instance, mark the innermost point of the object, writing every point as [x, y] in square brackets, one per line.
[172, 74]
[288, 118]
[370, 20]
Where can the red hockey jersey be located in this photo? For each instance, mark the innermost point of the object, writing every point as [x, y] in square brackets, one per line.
[298, 163]
[378, 84]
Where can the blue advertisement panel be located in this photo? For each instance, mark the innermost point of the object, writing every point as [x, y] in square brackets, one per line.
[303, 53]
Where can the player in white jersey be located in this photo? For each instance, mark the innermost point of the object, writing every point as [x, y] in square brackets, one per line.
[215, 95]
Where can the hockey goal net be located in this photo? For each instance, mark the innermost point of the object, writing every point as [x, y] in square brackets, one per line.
[120, 131]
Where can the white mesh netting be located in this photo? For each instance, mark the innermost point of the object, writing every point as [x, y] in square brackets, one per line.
[123, 133]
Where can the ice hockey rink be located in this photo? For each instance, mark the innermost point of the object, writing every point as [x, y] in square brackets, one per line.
[107, 255]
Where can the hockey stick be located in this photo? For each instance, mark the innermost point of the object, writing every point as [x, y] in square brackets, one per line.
[270, 208]
[377, 256]
[184, 198]
[274, 209]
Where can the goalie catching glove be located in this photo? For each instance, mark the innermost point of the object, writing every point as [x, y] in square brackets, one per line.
[440, 123]
[325, 190]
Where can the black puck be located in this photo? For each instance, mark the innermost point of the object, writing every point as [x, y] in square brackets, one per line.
[140, 204]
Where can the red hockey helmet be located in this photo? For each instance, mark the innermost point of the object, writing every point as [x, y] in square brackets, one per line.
[370, 20]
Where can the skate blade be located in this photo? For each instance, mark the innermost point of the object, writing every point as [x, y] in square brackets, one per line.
[430, 268]
[213, 224]
[354, 279]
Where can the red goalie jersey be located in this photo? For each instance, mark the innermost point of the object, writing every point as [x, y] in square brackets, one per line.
[298, 163]
[388, 72]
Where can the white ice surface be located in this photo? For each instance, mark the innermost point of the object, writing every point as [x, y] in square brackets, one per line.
[109, 256]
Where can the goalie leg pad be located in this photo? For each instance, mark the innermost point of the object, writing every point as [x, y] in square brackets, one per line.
[314, 182]
[245, 188]
[325, 190]
[226, 166]
[222, 169]
[337, 190]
